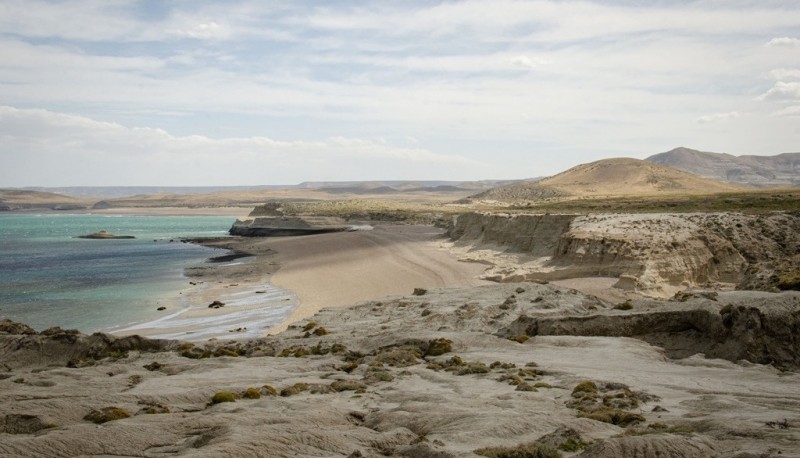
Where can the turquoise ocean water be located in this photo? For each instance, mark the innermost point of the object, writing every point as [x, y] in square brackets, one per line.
[49, 278]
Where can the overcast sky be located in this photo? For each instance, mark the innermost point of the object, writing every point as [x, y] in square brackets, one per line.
[123, 92]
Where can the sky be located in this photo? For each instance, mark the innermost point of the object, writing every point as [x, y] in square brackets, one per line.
[203, 93]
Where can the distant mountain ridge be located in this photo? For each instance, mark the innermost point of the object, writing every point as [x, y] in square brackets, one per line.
[608, 177]
[782, 170]
[332, 187]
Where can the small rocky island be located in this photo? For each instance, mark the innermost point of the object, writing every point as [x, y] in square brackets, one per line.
[105, 235]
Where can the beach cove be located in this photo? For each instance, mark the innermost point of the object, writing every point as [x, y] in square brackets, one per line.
[287, 279]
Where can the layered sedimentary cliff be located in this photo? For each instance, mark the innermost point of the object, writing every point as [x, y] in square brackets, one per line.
[277, 226]
[270, 220]
[657, 254]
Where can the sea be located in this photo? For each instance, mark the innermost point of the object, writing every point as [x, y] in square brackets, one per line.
[48, 277]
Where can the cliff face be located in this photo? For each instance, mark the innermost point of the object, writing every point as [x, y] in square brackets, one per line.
[657, 254]
[535, 234]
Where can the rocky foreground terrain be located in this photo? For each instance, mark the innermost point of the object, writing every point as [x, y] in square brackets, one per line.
[507, 370]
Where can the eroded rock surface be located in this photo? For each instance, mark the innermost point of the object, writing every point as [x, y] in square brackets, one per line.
[437, 374]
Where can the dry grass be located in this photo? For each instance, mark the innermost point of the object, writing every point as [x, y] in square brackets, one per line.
[107, 414]
[530, 450]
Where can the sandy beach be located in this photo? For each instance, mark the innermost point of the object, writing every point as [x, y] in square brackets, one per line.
[291, 278]
[339, 269]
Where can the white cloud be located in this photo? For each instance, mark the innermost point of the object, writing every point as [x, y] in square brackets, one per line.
[717, 117]
[783, 41]
[452, 75]
[525, 61]
[202, 31]
[783, 91]
[787, 112]
[121, 155]
[783, 74]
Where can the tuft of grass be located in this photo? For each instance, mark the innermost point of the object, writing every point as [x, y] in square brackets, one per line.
[196, 353]
[154, 366]
[309, 326]
[614, 416]
[587, 387]
[296, 351]
[154, 409]
[473, 368]
[527, 373]
[320, 331]
[269, 390]
[789, 280]
[520, 339]
[399, 357]
[297, 388]
[378, 374]
[439, 346]
[348, 385]
[224, 351]
[573, 445]
[223, 396]
[524, 386]
[511, 379]
[106, 414]
[529, 450]
[627, 305]
[252, 393]
[349, 367]
[117, 354]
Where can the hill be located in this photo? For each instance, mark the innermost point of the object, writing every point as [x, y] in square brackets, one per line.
[609, 177]
[781, 170]
[17, 199]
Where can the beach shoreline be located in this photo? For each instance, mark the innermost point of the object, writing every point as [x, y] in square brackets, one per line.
[282, 280]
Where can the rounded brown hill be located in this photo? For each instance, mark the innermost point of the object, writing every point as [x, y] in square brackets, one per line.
[610, 177]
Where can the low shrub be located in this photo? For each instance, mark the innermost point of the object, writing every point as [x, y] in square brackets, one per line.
[223, 396]
[297, 388]
[269, 390]
[106, 414]
[348, 385]
[439, 346]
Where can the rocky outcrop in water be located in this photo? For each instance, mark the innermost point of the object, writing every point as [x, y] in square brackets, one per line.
[105, 235]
